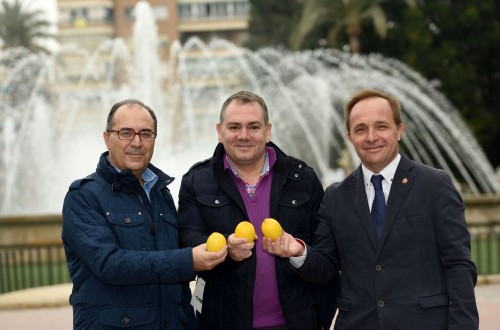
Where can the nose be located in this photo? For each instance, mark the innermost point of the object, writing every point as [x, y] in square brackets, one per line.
[243, 134]
[136, 140]
[372, 134]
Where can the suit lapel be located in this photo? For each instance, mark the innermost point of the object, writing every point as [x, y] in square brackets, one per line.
[358, 193]
[400, 187]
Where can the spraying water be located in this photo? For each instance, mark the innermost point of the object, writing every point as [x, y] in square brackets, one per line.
[52, 119]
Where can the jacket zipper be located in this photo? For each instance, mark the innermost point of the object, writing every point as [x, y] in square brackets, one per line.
[152, 229]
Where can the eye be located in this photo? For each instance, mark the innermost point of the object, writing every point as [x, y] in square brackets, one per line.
[127, 133]
[145, 134]
[254, 128]
[232, 128]
[359, 130]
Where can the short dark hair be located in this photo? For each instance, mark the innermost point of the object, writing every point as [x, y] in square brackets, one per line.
[243, 97]
[116, 106]
[367, 93]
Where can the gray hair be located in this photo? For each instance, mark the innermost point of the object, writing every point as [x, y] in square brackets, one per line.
[129, 102]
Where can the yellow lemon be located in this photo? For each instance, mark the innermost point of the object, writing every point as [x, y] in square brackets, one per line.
[215, 242]
[271, 229]
[245, 230]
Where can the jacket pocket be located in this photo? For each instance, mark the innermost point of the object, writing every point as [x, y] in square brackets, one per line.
[127, 316]
[344, 304]
[434, 301]
[77, 297]
[169, 219]
[294, 200]
[213, 201]
[125, 219]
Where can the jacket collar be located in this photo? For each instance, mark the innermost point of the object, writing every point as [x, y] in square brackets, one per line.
[125, 180]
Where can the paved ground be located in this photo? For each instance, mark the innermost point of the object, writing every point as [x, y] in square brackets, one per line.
[47, 308]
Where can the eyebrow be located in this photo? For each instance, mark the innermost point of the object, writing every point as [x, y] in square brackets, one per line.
[140, 130]
[238, 123]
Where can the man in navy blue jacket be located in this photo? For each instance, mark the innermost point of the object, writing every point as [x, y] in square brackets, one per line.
[120, 235]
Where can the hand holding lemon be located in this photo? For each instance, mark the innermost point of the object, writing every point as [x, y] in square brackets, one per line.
[215, 242]
[271, 229]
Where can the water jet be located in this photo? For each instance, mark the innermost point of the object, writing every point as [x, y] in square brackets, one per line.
[52, 117]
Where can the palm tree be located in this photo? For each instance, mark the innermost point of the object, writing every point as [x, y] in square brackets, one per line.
[22, 28]
[346, 16]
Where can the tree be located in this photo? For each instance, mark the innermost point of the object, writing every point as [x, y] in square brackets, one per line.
[271, 22]
[342, 16]
[457, 45]
[22, 28]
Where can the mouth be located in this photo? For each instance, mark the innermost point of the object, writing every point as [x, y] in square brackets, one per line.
[374, 148]
[134, 154]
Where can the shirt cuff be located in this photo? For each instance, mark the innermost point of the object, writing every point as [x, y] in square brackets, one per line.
[297, 262]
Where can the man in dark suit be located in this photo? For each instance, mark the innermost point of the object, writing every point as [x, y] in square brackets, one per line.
[408, 269]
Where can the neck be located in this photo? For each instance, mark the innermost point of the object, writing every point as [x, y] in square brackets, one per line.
[250, 172]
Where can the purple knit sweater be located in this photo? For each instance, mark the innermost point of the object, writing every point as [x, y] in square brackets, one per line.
[266, 305]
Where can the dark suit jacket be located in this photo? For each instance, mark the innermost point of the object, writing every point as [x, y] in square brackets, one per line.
[419, 276]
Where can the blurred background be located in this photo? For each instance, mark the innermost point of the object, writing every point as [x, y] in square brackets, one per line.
[64, 63]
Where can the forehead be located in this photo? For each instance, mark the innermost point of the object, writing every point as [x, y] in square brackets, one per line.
[244, 112]
[133, 115]
[372, 107]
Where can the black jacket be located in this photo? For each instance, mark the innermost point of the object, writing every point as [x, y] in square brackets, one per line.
[210, 201]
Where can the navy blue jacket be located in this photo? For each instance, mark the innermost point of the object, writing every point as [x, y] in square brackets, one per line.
[210, 201]
[122, 253]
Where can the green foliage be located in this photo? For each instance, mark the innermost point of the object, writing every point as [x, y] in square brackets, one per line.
[271, 22]
[455, 44]
[344, 18]
[22, 28]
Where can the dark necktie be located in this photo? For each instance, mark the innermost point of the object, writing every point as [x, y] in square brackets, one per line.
[378, 206]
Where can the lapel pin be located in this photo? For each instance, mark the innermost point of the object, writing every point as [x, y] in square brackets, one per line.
[404, 181]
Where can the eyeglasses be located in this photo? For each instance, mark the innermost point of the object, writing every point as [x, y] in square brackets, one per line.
[129, 134]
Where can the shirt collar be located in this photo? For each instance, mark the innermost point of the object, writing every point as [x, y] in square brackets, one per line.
[269, 162]
[147, 176]
[388, 172]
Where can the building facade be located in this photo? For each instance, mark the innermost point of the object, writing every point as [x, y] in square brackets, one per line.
[90, 22]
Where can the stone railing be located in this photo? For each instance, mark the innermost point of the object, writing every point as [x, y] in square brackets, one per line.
[483, 219]
[31, 252]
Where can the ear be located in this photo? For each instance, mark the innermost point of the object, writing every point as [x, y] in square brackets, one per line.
[105, 135]
[401, 128]
[348, 136]
[219, 132]
[268, 132]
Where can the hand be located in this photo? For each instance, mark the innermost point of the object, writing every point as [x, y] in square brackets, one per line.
[284, 246]
[239, 248]
[205, 260]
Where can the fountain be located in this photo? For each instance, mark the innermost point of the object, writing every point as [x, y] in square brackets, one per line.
[52, 118]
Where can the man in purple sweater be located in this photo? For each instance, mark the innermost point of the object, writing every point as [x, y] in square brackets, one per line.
[250, 178]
